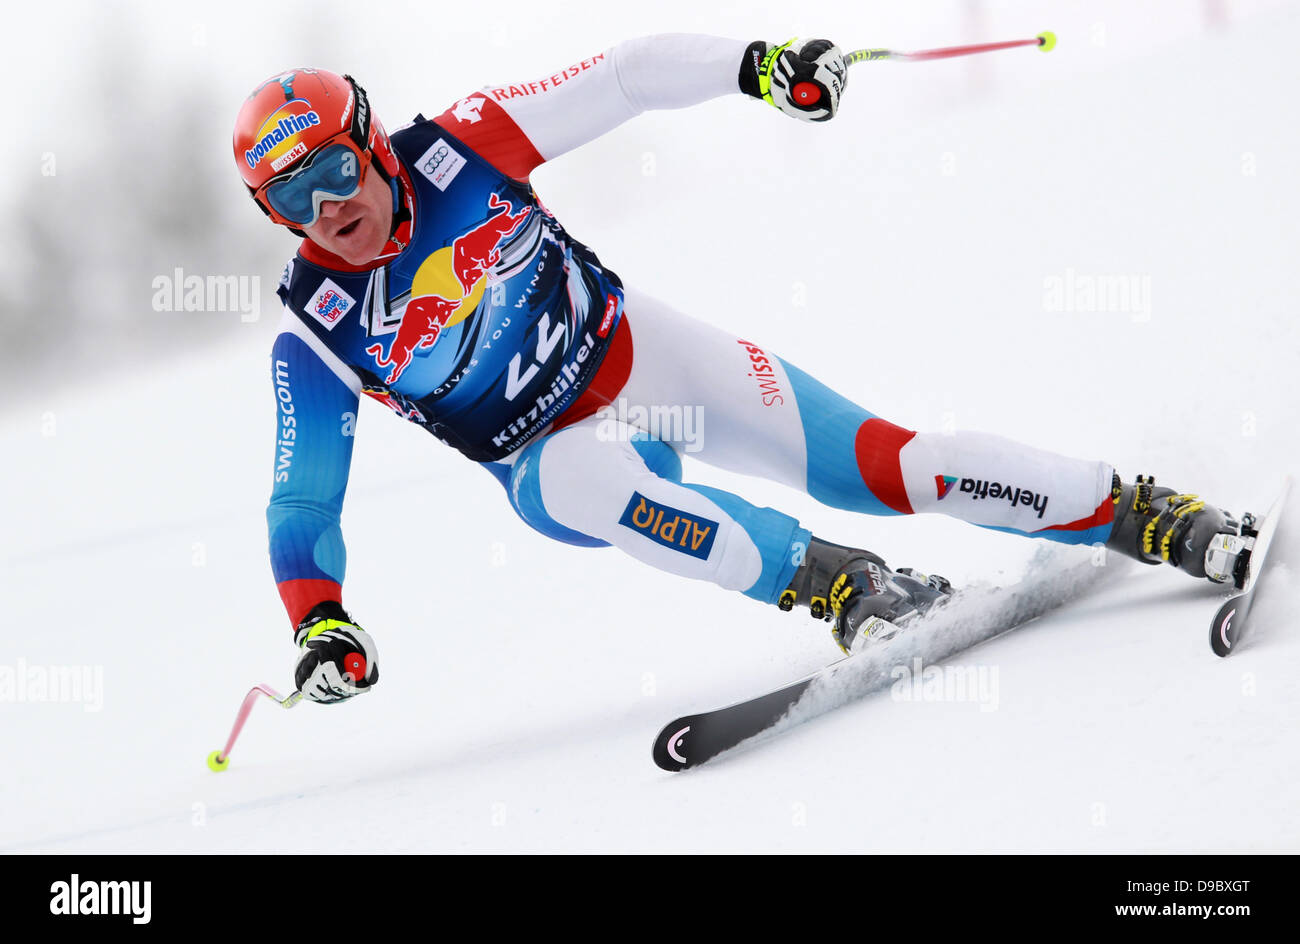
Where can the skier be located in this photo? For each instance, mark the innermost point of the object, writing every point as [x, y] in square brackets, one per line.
[432, 278]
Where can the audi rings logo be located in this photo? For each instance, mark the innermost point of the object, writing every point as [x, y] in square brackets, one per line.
[431, 165]
[440, 164]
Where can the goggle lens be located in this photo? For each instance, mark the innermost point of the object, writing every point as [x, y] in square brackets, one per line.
[334, 172]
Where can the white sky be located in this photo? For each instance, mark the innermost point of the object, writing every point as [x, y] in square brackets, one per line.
[419, 56]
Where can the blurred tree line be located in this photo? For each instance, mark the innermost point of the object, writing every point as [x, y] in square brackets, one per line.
[132, 180]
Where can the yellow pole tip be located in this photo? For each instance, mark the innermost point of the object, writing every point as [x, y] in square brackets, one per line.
[217, 763]
[1046, 41]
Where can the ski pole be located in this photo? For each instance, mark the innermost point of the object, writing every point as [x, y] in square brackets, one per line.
[1045, 41]
[220, 760]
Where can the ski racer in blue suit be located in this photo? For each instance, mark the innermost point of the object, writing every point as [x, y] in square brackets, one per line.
[432, 279]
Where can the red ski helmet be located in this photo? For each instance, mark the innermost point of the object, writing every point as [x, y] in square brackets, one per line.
[295, 118]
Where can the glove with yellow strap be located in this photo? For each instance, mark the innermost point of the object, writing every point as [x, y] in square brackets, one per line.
[802, 78]
[338, 660]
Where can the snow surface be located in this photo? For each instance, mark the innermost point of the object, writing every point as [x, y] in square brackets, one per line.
[523, 681]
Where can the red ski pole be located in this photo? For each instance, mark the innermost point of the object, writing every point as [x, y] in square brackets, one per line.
[1045, 41]
[220, 760]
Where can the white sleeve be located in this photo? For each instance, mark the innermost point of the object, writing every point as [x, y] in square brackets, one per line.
[566, 109]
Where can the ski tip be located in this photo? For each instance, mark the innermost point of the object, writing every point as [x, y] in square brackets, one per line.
[217, 763]
[1046, 41]
[1230, 621]
[1223, 635]
[672, 747]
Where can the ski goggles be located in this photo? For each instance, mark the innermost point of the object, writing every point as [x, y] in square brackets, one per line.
[334, 171]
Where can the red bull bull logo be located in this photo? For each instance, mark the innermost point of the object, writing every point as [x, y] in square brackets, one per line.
[447, 288]
[387, 398]
[421, 325]
[476, 252]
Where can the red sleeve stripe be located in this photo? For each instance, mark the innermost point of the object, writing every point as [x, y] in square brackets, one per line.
[877, 446]
[486, 129]
[1105, 514]
[300, 596]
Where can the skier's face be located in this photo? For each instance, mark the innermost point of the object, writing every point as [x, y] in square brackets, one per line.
[357, 229]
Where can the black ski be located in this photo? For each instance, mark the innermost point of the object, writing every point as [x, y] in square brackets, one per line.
[972, 616]
[693, 739]
[1230, 623]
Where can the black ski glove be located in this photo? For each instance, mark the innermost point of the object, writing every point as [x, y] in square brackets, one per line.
[803, 79]
[338, 660]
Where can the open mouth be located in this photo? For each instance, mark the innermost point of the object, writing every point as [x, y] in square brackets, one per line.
[349, 229]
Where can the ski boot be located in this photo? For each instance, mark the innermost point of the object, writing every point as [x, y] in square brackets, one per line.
[1159, 524]
[859, 594]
